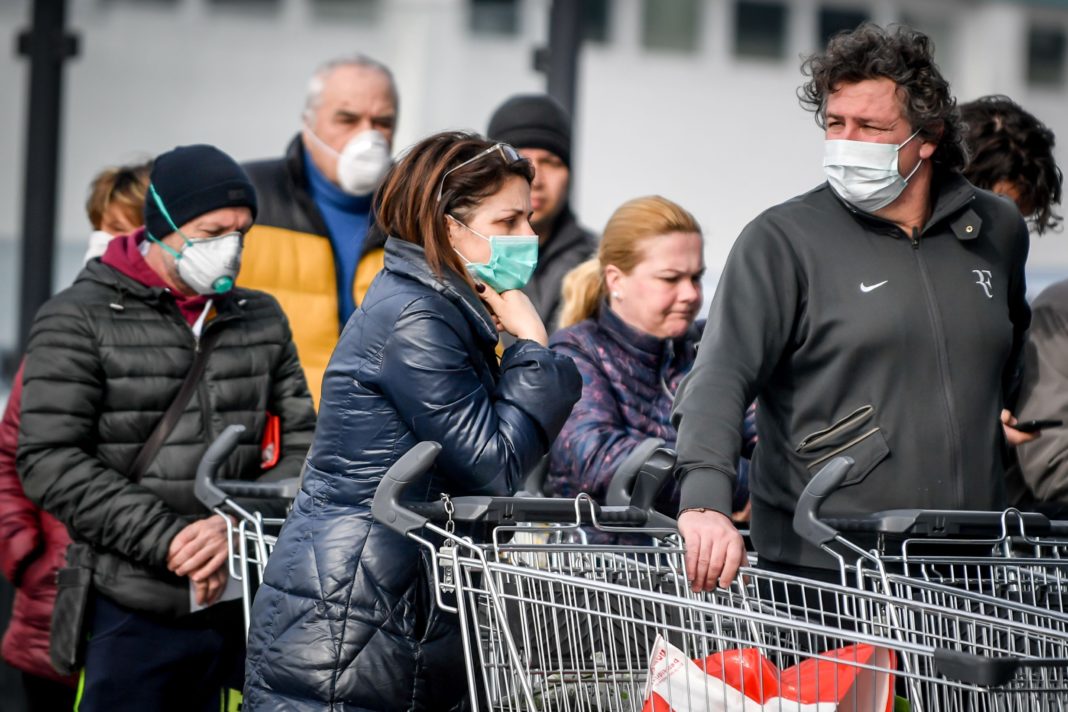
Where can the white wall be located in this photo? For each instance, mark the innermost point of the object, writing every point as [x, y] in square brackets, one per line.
[726, 138]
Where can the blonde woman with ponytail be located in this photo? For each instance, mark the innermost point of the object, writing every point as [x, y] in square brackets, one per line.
[628, 324]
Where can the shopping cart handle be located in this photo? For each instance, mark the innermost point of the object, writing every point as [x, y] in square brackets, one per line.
[988, 671]
[281, 489]
[640, 478]
[386, 506]
[938, 523]
[807, 523]
[204, 487]
[619, 489]
[509, 511]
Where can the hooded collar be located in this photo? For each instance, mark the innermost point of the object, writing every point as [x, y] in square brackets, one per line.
[408, 259]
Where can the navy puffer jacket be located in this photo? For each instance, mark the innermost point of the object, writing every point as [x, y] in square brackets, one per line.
[344, 620]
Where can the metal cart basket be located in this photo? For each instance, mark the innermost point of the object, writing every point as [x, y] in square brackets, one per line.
[250, 535]
[573, 627]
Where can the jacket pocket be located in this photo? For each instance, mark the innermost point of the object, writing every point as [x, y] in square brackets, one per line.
[854, 436]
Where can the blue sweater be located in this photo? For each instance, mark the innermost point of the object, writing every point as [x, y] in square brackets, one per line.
[347, 217]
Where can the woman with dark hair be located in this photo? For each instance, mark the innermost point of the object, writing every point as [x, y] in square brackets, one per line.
[1011, 153]
[345, 618]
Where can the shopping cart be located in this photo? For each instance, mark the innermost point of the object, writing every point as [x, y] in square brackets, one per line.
[1008, 565]
[573, 627]
[250, 536]
[651, 465]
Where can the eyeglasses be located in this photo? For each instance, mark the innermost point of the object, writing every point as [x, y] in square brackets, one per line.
[508, 154]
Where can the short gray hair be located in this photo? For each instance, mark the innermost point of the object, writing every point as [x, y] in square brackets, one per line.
[313, 95]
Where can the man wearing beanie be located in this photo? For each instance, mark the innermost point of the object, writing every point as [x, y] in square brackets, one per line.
[540, 129]
[130, 374]
[314, 246]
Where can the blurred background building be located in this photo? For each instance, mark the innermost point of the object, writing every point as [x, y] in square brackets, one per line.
[693, 99]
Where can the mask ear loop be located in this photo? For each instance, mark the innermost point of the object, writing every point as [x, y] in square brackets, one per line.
[166, 216]
[321, 142]
[918, 163]
[471, 230]
[914, 135]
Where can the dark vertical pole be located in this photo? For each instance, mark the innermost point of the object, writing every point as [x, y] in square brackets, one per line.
[565, 38]
[47, 46]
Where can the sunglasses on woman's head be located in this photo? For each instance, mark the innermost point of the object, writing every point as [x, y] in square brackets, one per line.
[508, 154]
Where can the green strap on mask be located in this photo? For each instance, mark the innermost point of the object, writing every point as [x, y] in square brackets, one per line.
[167, 216]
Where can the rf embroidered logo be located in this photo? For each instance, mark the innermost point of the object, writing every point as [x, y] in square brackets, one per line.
[983, 281]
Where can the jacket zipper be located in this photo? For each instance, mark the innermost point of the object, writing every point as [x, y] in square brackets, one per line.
[943, 366]
[843, 424]
[839, 450]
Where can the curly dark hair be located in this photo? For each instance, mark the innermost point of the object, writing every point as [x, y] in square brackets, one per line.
[903, 55]
[1006, 143]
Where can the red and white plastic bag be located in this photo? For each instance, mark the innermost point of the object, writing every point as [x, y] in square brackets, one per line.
[744, 680]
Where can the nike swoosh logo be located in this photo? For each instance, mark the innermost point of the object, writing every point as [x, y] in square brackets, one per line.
[865, 288]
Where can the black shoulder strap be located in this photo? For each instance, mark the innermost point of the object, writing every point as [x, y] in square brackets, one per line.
[170, 418]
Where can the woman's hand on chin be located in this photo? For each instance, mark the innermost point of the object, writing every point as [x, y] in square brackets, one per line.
[514, 313]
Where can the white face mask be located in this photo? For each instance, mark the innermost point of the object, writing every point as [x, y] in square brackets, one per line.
[361, 163]
[98, 244]
[866, 174]
[209, 265]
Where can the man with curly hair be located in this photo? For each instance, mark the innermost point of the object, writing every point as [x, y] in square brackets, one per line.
[879, 316]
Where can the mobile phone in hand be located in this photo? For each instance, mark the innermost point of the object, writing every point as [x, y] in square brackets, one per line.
[1033, 426]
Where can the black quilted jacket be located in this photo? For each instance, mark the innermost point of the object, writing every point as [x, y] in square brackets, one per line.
[106, 358]
[343, 621]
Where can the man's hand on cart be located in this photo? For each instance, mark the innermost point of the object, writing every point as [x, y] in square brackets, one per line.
[199, 550]
[714, 548]
[211, 588]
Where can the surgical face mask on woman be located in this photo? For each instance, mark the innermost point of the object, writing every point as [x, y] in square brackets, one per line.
[209, 265]
[866, 174]
[361, 163]
[98, 244]
[511, 262]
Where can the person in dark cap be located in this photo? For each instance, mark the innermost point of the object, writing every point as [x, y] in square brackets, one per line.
[129, 375]
[540, 129]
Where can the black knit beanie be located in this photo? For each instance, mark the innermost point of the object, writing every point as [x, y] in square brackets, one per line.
[191, 181]
[533, 121]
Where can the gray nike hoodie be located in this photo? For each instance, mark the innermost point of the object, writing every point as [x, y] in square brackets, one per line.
[858, 339]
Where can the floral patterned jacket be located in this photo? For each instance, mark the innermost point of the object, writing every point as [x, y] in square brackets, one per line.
[629, 379]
